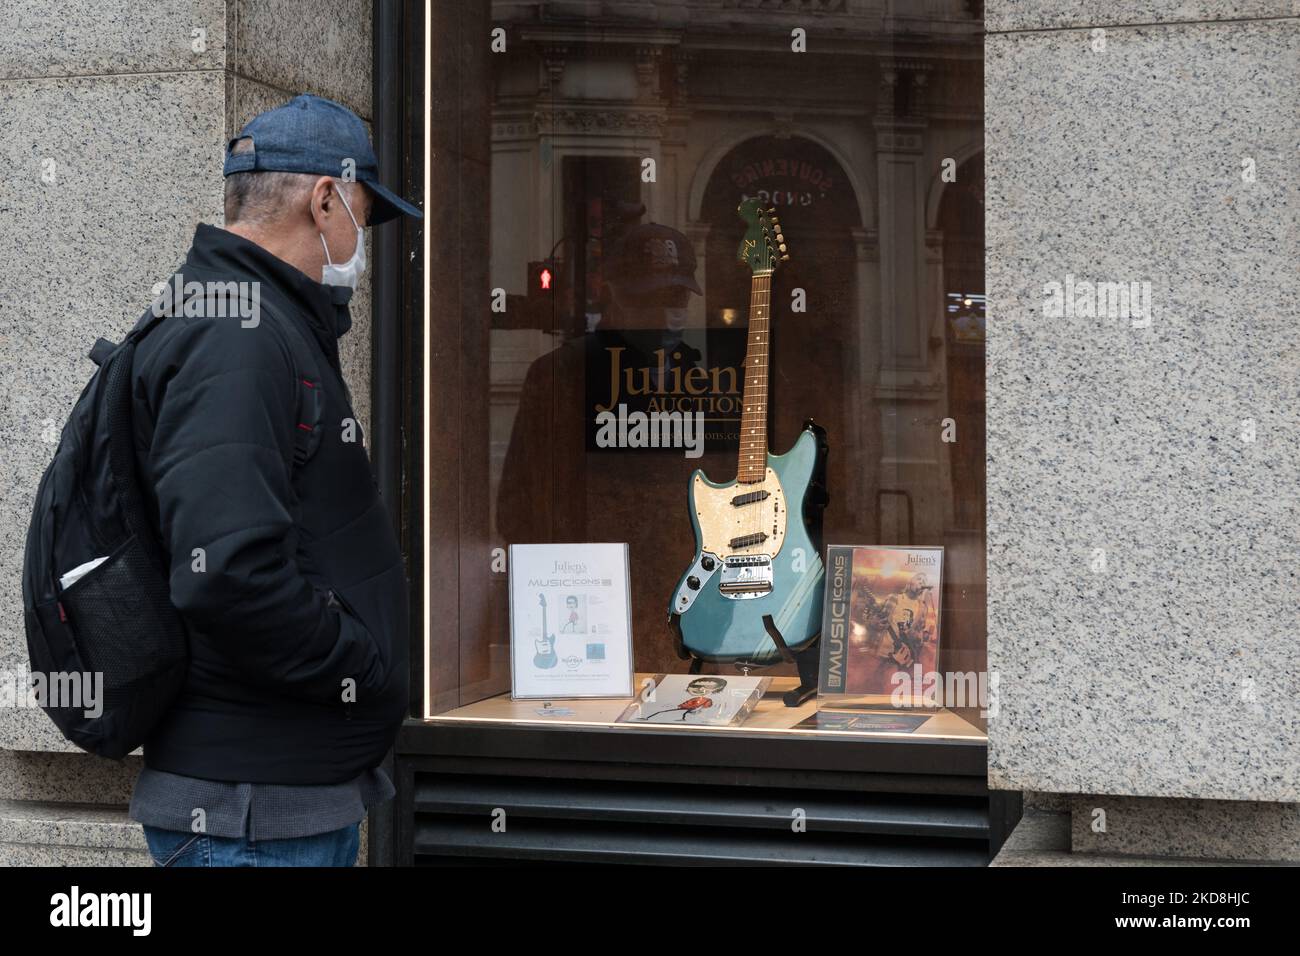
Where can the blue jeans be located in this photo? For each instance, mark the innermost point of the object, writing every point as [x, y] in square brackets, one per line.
[179, 848]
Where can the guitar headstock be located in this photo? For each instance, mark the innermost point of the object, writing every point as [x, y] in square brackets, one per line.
[763, 247]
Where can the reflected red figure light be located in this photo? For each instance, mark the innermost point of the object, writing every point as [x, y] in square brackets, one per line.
[545, 277]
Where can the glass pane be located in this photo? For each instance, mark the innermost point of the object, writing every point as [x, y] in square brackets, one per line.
[618, 141]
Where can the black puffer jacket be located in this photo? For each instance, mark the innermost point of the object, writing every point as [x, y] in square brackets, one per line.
[258, 541]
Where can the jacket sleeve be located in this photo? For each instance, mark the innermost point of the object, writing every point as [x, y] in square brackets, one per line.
[220, 461]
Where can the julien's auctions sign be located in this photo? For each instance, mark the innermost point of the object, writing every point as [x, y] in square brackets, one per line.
[639, 379]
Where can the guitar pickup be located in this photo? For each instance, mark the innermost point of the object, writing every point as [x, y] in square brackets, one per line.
[748, 540]
[749, 497]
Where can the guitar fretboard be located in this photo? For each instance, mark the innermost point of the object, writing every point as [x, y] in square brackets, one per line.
[753, 416]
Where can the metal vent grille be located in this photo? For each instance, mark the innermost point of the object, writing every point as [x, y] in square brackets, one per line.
[554, 819]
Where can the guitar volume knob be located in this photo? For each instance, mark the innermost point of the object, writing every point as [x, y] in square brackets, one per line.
[693, 583]
[707, 563]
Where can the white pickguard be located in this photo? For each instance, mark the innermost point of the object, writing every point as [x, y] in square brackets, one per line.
[721, 522]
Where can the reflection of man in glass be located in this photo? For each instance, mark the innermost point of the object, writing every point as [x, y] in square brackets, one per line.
[652, 277]
[553, 485]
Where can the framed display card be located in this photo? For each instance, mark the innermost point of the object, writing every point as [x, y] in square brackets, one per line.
[570, 621]
[880, 625]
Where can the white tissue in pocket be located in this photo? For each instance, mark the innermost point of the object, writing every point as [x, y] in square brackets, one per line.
[80, 571]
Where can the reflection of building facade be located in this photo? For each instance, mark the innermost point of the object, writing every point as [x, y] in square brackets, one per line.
[850, 142]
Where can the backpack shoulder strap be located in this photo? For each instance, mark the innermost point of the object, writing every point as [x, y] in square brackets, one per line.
[307, 433]
[103, 348]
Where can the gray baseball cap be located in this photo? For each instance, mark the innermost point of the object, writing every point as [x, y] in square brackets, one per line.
[310, 134]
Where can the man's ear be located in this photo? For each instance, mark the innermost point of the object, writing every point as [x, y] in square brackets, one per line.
[324, 197]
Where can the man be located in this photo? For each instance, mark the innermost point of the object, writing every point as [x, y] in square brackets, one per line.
[282, 559]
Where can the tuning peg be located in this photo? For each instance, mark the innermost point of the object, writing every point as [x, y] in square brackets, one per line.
[771, 209]
[785, 258]
[782, 247]
[780, 238]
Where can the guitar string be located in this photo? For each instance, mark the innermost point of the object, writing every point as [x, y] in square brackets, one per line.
[750, 394]
[752, 436]
[758, 391]
[760, 427]
[754, 443]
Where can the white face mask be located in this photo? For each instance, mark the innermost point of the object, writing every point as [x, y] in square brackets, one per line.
[677, 319]
[345, 273]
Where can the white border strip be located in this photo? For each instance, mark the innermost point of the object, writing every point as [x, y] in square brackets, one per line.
[424, 478]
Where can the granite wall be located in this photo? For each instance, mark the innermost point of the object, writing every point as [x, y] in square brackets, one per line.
[114, 116]
[1143, 471]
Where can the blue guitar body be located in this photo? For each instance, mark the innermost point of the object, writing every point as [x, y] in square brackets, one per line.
[720, 602]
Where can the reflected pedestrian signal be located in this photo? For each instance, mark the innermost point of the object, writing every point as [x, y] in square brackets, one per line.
[541, 278]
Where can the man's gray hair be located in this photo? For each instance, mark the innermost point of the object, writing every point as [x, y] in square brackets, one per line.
[262, 197]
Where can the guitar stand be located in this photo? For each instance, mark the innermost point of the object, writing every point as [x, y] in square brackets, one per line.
[806, 661]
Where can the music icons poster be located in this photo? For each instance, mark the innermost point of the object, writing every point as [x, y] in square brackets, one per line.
[570, 621]
[880, 619]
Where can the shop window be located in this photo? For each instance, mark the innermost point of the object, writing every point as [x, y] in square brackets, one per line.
[689, 235]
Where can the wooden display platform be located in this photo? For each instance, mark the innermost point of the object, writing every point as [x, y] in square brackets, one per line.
[771, 715]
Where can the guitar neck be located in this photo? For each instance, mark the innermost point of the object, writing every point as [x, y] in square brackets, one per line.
[752, 466]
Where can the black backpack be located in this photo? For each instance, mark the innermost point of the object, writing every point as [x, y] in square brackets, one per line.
[117, 620]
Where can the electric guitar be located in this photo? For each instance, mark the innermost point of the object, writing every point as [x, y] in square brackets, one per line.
[545, 656]
[757, 538]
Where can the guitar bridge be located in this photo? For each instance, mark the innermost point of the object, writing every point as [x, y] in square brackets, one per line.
[746, 576]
